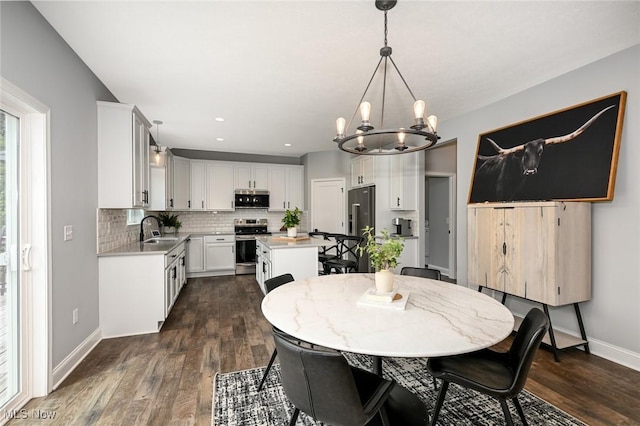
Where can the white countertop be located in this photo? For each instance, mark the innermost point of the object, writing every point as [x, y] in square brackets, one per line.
[277, 242]
[439, 318]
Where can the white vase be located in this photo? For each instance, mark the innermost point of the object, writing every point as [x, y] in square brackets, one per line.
[384, 281]
[292, 232]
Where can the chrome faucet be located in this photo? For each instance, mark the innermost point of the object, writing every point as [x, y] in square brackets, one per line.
[142, 225]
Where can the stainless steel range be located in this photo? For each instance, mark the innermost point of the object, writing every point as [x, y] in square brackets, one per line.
[246, 231]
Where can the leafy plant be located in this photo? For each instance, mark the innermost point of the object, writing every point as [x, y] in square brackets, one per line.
[167, 219]
[291, 219]
[382, 255]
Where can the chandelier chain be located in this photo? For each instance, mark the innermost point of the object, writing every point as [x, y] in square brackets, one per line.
[385, 28]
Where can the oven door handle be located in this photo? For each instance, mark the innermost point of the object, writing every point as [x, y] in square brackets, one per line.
[245, 237]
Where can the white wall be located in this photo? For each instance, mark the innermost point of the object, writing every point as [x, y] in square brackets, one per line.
[36, 59]
[612, 317]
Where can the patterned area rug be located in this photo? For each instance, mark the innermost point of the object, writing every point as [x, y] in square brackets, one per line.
[236, 401]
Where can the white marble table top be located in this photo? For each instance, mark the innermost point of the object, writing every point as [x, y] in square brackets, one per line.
[440, 318]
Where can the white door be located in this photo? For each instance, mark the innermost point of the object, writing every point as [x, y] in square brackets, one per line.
[25, 358]
[328, 205]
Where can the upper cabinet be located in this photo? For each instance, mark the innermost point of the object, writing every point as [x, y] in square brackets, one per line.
[198, 185]
[251, 176]
[220, 186]
[286, 187]
[181, 183]
[403, 182]
[123, 156]
[160, 180]
[362, 171]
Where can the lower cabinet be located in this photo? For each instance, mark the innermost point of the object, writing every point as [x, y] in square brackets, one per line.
[301, 262]
[211, 255]
[136, 292]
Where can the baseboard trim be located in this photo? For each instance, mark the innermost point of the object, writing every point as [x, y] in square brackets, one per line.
[605, 350]
[62, 370]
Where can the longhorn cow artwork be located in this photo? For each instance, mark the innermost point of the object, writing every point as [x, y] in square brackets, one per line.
[580, 164]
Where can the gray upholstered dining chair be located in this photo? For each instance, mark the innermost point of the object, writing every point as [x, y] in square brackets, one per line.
[501, 375]
[320, 382]
[269, 285]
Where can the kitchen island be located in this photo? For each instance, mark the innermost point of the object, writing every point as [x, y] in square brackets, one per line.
[277, 255]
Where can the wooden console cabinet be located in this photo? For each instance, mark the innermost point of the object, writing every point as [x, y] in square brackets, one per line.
[540, 251]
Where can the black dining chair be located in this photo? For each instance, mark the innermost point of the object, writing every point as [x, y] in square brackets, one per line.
[434, 274]
[501, 375]
[321, 383]
[348, 258]
[328, 251]
[269, 285]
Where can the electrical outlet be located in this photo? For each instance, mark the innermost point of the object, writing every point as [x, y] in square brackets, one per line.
[75, 316]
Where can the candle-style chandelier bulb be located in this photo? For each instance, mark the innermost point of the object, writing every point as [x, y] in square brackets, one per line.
[365, 113]
[433, 123]
[401, 146]
[340, 126]
[360, 147]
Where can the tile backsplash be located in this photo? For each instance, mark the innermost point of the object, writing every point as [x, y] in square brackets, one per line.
[114, 232]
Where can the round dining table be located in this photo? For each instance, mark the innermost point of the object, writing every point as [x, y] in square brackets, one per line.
[437, 318]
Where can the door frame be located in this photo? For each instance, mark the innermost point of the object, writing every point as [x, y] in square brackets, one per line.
[453, 226]
[342, 182]
[36, 174]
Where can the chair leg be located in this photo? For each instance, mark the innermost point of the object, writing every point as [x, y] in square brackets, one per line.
[519, 408]
[439, 402]
[266, 372]
[294, 417]
[505, 410]
[435, 383]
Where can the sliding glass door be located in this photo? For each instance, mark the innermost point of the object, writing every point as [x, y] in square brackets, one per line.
[11, 324]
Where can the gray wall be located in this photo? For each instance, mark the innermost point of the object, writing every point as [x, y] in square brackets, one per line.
[38, 61]
[612, 316]
[325, 165]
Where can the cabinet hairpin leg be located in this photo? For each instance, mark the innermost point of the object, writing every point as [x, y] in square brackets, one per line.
[552, 337]
[583, 334]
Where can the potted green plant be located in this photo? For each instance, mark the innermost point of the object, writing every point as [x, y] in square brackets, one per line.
[291, 220]
[169, 222]
[383, 255]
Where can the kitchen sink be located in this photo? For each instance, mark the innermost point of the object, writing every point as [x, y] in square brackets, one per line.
[157, 240]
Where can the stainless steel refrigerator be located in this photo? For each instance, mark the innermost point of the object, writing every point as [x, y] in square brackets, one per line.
[362, 213]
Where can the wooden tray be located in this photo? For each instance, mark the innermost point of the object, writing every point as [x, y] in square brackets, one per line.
[301, 238]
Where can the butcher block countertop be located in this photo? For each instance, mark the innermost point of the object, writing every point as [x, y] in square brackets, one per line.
[282, 242]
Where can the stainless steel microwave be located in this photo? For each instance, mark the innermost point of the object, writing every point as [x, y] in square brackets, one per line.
[251, 199]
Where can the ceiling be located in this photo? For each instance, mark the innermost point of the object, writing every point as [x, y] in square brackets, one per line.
[281, 72]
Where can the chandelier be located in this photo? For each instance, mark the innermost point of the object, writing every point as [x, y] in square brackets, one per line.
[367, 140]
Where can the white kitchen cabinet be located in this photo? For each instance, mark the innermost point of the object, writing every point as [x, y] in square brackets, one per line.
[195, 255]
[161, 180]
[286, 187]
[123, 156]
[136, 292]
[362, 171]
[181, 183]
[198, 185]
[220, 186]
[251, 176]
[409, 256]
[403, 182]
[299, 260]
[219, 254]
[210, 255]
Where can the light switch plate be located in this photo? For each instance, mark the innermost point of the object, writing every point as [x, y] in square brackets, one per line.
[68, 233]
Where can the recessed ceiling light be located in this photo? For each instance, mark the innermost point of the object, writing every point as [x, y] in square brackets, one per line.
[219, 139]
[287, 144]
[219, 119]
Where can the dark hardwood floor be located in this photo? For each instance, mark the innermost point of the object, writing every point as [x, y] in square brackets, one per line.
[216, 326]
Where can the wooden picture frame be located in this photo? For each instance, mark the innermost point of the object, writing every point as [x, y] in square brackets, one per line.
[570, 155]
